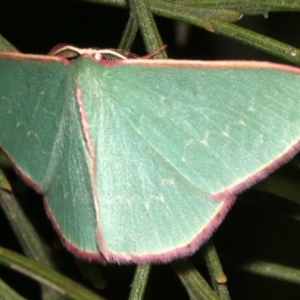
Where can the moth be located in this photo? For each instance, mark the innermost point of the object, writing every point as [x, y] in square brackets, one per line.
[139, 160]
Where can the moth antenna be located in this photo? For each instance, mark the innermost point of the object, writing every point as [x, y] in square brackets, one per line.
[150, 55]
[65, 50]
[70, 51]
[125, 53]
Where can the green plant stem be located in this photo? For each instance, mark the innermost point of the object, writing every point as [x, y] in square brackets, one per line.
[197, 17]
[217, 276]
[271, 270]
[53, 279]
[23, 229]
[140, 10]
[129, 33]
[256, 40]
[140, 282]
[281, 185]
[4, 184]
[92, 273]
[246, 7]
[216, 16]
[26, 234]
[194, 283]
[7, 293]
[6, 45]
[180, 12]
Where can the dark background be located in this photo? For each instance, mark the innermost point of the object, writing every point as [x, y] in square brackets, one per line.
[260, 226]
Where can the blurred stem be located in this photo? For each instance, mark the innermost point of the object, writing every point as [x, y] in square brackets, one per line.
[4, 184]
[129, 33]
[26, 234]
[270, 270]
[63, 285]
[180, 12]
[217, 276]
[24, 231]
[256, 40]
[6, 292]
[194, 283]
[245, 7]
[215, 16]
[140, 10]
[140, 282]
[281, 185]
[92, 273]
[6, 45]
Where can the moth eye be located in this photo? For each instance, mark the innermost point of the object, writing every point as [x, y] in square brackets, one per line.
[98, 56]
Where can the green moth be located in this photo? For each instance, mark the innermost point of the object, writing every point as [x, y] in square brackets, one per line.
[140, 160]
